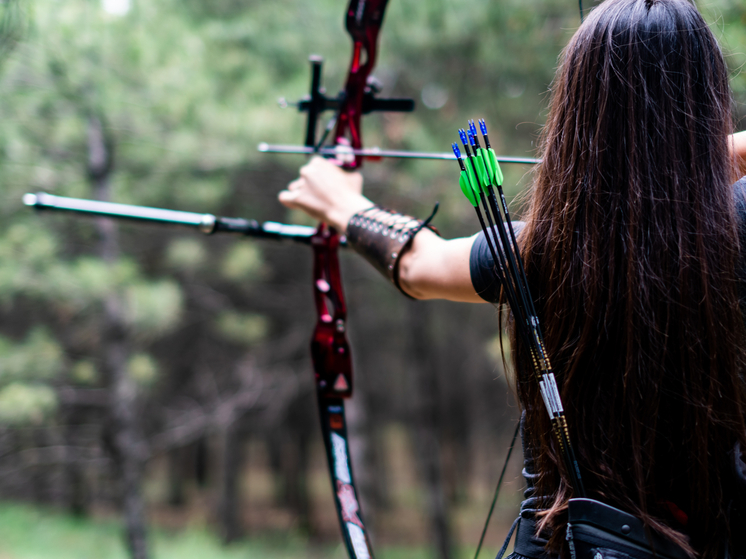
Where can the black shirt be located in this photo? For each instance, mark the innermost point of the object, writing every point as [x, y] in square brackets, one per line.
[481, 264]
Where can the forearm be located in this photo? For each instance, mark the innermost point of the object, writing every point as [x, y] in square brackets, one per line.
[435, 268]
[340, 216]
[415, 259]
[737, 145]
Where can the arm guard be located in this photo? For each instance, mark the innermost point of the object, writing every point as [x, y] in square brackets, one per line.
[382, 237]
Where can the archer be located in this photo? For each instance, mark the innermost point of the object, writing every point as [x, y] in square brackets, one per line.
[633, 244]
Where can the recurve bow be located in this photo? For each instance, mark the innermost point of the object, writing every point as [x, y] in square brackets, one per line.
[330, 349]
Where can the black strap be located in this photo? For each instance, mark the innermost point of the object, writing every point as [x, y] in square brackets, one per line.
[500, 553]
[497, 488]
[527, 543]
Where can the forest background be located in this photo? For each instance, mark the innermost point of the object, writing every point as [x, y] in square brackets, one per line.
[156, 395]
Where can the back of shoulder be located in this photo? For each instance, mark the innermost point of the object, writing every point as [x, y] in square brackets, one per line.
[739, 192]
[739, 195]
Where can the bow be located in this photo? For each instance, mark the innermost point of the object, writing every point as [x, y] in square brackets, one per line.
[330, 349]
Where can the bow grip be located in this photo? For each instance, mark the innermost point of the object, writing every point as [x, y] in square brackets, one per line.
[330, 350]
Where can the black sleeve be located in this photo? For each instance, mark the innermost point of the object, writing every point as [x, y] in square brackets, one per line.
[739, 192]
[481, 266]
[737, 497]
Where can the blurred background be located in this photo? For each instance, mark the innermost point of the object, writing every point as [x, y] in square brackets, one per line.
[156, 393]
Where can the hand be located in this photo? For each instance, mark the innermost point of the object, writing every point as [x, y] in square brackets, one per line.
[327, 193]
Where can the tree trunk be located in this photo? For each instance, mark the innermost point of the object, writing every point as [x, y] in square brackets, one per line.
[176, 460]
[74, 482]
[39, 473]
[128, 446]
[426, 427]
[295, 472]
[230, 493]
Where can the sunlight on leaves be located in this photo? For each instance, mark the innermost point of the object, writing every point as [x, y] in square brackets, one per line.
[243, 329]
[84, 372]
[26, 403]
[242, 262]
[153, 309]
[39, 356]
[116, 7]
[186, 254]
[143, 369]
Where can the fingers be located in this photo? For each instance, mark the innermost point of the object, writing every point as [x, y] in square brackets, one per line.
[324, 191]
[295, 200]
[299, 196]
[287, 198]
[316, 166]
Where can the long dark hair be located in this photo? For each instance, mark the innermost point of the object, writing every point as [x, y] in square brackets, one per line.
[631, 247]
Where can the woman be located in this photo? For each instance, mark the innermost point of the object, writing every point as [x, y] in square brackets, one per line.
[631, 244]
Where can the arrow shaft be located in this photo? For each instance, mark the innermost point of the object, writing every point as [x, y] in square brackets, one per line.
[376, 152]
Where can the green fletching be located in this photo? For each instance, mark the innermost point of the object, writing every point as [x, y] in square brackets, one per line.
[470, 174]
[484, 178]
[489, 168]
[495, 166]
[466, 188]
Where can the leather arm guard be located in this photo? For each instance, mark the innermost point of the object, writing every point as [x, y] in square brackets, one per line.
[382, 236]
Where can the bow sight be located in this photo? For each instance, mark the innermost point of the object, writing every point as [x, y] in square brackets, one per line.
[363, 22]
[316, 102]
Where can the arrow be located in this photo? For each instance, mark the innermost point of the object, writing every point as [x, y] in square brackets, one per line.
[375, 153]
[481, 176]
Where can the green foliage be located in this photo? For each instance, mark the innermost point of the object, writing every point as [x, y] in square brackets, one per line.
[244, 329]
[38, 357]
[728, 22]
[31, 533]
[143, 369]
[84, 373]
[154, 308]
[187, 254]
[242, 262]
[24, 366]
[12, 26]
[22, 403]
[26, 253]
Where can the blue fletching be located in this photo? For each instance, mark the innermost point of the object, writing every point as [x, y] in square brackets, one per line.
[472, 128]
[483, 126]
[473, 139]
[462, 135]
[456, 151]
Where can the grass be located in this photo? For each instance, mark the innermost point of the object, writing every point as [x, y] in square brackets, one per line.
[28, 532]
[32, 532]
